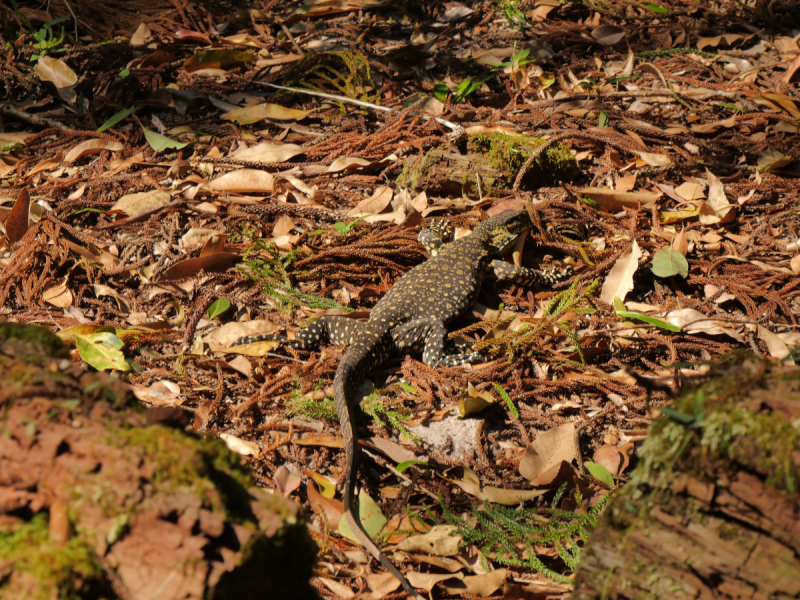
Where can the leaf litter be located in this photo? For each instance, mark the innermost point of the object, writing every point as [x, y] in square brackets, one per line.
[148, 182]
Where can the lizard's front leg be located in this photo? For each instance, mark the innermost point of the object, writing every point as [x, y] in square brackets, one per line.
[436, 235]
[505, 271]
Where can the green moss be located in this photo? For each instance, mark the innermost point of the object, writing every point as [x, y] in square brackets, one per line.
[719, 425]
[416, 174]
[509, 153]
[35, 342]
[71, 568]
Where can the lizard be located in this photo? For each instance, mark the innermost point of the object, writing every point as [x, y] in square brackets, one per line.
[411, 317]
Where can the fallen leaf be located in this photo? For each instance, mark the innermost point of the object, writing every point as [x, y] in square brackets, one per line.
[340, 589]
[90, 147]
[371, 518]
[18, 219]
[259, 112]
[693, 321]
[240, 446]
[381, 585]
[608, 456]
[478, 585]
[471, 483]
[141, 203]
[332, 509]
[472, 401]
[269, 153]
[615, 200]
[243, 181]
[58, 295]
[373, 205]
[438, 541]
[620, 279]
[544, 456]
[716, 209]
[775, 346]
[608, 35]
[285, 481]
[426, 581]
[141, 36]
[668, 262]
[320, 439]
[59, 74]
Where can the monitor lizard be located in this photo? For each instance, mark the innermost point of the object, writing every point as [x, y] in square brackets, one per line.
[411, 317]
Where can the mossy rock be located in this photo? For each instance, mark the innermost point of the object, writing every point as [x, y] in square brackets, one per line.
[713, 509]
[493, 161]
[96, 504]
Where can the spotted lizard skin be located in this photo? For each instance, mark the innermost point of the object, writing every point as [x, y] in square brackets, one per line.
[412, 317]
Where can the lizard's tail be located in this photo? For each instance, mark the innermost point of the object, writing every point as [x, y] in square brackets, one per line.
[343, 388]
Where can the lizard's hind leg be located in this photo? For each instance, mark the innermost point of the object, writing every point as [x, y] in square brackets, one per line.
[430, 335]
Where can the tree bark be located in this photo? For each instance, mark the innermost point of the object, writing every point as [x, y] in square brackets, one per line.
[712, 509]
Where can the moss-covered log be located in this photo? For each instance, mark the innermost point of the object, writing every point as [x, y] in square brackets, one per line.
[491, 163]
[95, 503]
[712, 509]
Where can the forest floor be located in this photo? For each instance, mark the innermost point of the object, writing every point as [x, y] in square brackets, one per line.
[159, 202]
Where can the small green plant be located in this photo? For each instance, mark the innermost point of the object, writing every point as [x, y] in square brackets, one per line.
[511, 534]
[45, 41]
[518, 60]
[300, 404]
[372, 406]
[273, 271]
[510, 403]
[464, 89]
[345, 228]
[510, 9]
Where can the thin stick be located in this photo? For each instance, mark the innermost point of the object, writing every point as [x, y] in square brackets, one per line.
[455, 127]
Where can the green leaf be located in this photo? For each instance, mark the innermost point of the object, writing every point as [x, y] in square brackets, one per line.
[345, 228]
[219, 306]
[668, 262]
[731, 106]
[404, 465]
[123, 74]
[409, 388]
[123, 114]
[159, 142]
[677, 415]
[651, 320]
[655, 8]
[441, 91]
[602, 120]
[102, 351]
[504, 395]
[618, 79]
[598, 471]
[371, 518]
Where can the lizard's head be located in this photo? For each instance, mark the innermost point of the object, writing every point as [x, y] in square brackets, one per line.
[500, 232]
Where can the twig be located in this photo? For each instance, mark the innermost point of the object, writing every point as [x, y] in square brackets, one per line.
[20, 114]
[457, 130]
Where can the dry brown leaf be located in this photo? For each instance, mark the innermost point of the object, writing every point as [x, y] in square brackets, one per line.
[269, 153]
[614, 200]
[437, 541]
[620, 279]
[58, 295]
[381, 585]
[243, 181]
[332, 509]
[426, 581]
[693, 321]
[608, 456]
[259, 112]
[607, 35]
[90, 147]
[285, 481]
[238, 445]
[141, 36]
[393, 450]
[478, 585]
[471, 484]
[375, 204]
[544, 456]
[141, 203]
[59, 74]
[340, 589]
[320, 439]
[215, 263]
[775, 345]
[472, 401]
[18, 219]
[716, 209]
